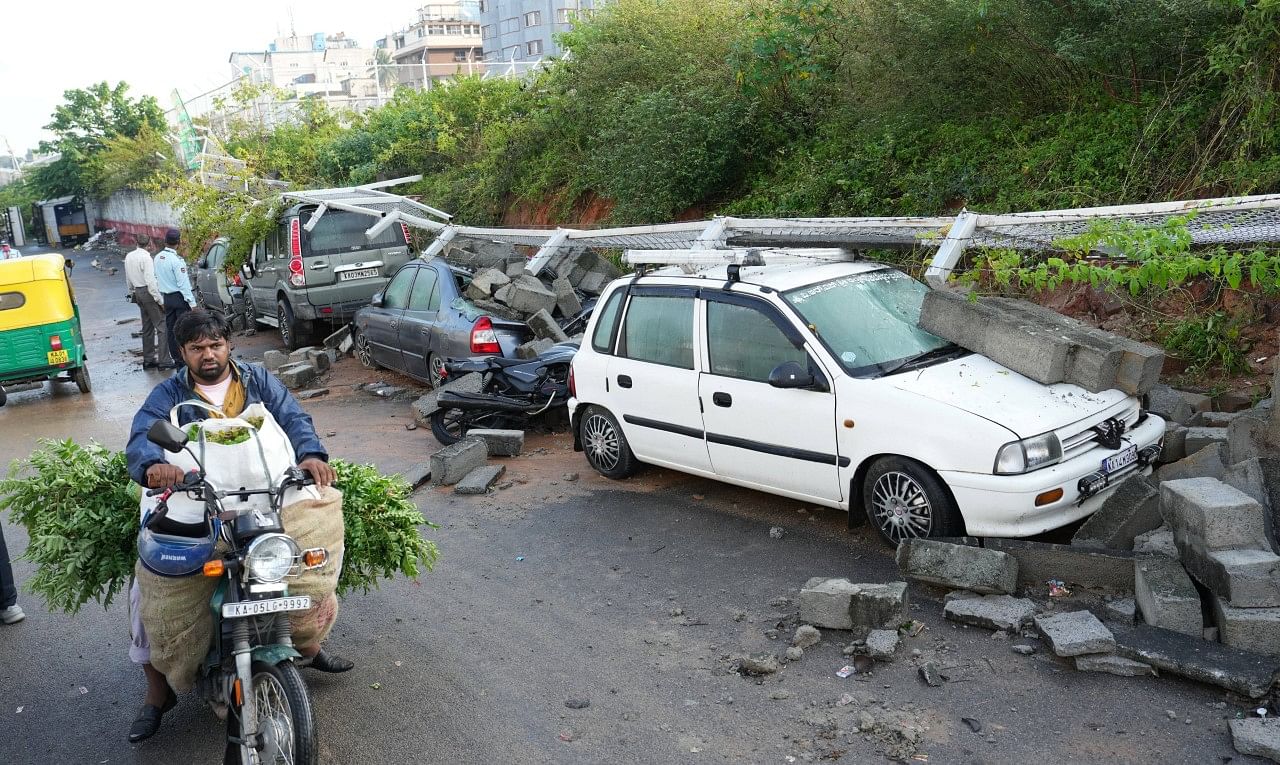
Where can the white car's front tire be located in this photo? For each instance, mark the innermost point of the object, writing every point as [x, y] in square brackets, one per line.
[904, 500]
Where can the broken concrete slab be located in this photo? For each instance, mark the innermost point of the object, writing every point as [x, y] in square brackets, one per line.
[534, 348]
[1039, 562]
[566, 298]
[1028, 347]
[335, 341]
[296, 375]
[479, 480]
[1166, 596]
[1211, 515]
[1174, 447]
[452, 463]
[1256, 736]
[426, 405]
[1249, 629]
[528, 296]
[486, 282]
[1156, 542]
[1245, 578]
[1209, 462]
[1132, 509]
[417, 475]
[1250, 477]
[972, 568]
[303, 395]
[993, 612]
[1213, 419]
[837, 603]
[1200, 437]
[1124, 610]
[1179, 406]
[545, 327]
[1251, 435]
[273, 360]
[303, 354]
[882, 644]
[319, 358]
[1243, 672]
[1075, 633]
[1113, 665]
[501, 443]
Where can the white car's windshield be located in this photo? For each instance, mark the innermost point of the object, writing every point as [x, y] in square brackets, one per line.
[867, 320]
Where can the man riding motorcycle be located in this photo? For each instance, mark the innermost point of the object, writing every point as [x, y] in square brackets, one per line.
[210, 376]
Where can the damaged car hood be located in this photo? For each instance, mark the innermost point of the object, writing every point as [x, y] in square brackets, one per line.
[980, 386]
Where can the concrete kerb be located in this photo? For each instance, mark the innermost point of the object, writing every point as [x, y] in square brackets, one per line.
[1243, 672]
[977, 569]
[1040, 561]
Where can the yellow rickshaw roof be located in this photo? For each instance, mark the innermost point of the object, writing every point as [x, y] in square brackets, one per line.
[29, 268]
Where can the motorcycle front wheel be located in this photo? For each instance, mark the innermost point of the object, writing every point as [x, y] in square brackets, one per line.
[284, 719]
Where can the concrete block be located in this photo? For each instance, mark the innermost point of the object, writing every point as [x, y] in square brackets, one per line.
[501, 443]
[1156, 542]
[425, 406]
[503, 293]
[1132, 509]
[1041, 561]
[1242, 672]
[1200, 437]
[1166, 596]
[837, 603]
[479, 480]
[1176, 405]
[303, 395]
[334, 341]
[1209, 462]
[534, 348]
[1140, 367]
[319, 358]
[273, 360]
[417, 475]
[882, 644]
[297, 375]
[1256, 736]
[1245, 578]
[1124, 610]
[1075, 633]
[1250, 477]
[1175, 442]
[1113, 665]
[528, 296]
[993, 612]
[1247, 437]
[566, 298]
[515, 268]
[485, 282]
[545, 327]
[594, 282]
[454, 462]
[1213, 419]
[949, 565]
[1249, 629]
[1211, 515]
[303, 354]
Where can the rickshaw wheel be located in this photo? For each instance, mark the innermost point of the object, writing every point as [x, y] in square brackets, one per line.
[81, 377]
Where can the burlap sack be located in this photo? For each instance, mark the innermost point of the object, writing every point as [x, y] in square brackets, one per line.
[175, 610]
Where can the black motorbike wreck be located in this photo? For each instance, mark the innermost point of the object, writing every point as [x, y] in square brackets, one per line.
[512, 392]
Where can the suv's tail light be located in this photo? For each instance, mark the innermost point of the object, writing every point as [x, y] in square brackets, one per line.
[296, 276]
[483, 338]
[405, 228]
[573, 386]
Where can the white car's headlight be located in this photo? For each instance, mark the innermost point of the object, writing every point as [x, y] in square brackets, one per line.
[1028, 454]
[271, 557]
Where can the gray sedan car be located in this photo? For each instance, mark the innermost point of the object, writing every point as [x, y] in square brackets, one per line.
[422, 318]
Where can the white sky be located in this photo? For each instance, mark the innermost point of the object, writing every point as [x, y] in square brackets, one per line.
[51, 46]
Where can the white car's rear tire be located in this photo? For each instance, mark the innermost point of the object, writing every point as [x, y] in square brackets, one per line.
[605, 445]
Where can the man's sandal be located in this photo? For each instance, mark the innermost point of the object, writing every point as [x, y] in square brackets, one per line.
[148, 721]
[327, 662]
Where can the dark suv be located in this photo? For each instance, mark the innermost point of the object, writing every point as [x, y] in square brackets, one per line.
[298, 278]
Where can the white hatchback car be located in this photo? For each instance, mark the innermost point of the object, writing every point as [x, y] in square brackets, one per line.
[811, 380]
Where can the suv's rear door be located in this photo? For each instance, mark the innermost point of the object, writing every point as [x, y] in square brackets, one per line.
[343, 268]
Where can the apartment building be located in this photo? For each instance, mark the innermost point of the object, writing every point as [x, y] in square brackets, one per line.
[443, 41]
[516, 31]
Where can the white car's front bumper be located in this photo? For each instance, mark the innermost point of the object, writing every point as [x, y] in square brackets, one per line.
[1005, 505]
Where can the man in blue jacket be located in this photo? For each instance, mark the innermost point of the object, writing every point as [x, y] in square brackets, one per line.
[209, 374]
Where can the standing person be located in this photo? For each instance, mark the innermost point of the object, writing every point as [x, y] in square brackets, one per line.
[175, 288]
[10, 611]
[7, 252]
[140, 276]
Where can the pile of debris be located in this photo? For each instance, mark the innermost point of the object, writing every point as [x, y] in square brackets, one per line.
[465, 464]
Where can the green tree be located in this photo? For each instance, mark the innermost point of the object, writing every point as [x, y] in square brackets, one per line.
[142, 161]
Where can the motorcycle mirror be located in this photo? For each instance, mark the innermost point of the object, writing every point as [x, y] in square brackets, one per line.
[167, 436]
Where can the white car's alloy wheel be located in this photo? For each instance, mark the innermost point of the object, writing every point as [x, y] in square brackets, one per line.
[901, 506]
[601, 442]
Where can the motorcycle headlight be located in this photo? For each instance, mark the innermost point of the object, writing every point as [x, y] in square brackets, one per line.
[271, 557]
[1028, 454]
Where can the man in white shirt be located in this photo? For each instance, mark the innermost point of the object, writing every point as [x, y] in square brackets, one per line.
[7, 252]
[140, 276]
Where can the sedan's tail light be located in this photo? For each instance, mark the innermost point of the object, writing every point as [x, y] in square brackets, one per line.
[483, 338]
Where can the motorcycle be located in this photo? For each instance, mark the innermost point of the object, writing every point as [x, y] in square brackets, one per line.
[250, 669]
[511, 392]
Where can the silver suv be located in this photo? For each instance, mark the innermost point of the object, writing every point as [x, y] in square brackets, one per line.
[299, 278]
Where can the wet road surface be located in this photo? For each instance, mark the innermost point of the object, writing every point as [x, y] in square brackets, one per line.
[631, 595]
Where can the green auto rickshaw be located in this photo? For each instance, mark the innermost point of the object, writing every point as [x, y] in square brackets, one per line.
[40, 337]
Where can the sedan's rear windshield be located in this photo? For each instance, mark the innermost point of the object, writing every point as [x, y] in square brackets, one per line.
[867, 320]
[338, 231]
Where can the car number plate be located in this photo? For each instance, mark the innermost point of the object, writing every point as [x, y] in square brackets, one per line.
[59, 357]
[259, 607]
[360, 273]
[1122, 460]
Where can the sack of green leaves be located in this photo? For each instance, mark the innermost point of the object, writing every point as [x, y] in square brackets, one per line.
[80, 510]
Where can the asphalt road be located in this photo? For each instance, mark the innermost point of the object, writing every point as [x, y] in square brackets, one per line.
[632, 595]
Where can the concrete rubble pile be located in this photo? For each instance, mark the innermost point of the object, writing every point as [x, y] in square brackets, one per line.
[465, 465]
[1178, 572]
[502, 286]
[1041, 343]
